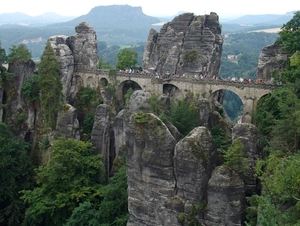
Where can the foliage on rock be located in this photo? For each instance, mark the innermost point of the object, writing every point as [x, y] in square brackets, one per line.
[51, 98]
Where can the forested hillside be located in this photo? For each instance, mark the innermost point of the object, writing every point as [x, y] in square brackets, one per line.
[277, 118]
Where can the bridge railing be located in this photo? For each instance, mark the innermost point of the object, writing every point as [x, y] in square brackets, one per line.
[167, 78]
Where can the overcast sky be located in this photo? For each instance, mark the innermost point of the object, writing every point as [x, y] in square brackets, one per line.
[224, 8]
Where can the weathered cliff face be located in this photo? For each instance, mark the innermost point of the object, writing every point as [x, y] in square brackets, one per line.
[79, 50]
[248, 134]
[84, 46]
[187, 44]
[19, 115]
[270, 60]
[226, 199]
[66, 60]
[168, 175]
[67, 124]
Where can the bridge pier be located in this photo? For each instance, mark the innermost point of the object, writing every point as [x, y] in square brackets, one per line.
[249, 105]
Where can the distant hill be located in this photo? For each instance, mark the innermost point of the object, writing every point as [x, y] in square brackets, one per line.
[115, 24]
[24, 19]
[256, 22]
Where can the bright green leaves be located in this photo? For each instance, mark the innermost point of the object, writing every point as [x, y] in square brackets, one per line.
[234, 157]
[127, 58]
[18, 53]
[72, 175]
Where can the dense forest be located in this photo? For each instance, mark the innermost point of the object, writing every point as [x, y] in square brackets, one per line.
[71, 188]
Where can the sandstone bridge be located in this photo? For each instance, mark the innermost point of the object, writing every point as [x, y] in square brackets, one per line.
[249, 93]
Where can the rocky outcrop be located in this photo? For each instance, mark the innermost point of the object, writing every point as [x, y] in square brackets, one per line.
[66, 60]
[187, 44]
[270, 61]
[75, 51]
[248, 134]
[84, 46]
[225, 198]
[18, 114]
[195, 157]
[100, 136]
[67, 124]
[151, 182]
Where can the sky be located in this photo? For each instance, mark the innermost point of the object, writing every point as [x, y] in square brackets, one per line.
[224, 8]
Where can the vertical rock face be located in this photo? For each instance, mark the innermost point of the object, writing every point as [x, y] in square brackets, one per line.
[187, 44]
[67, 123]
[66, 61]
[100, 134]
[194, 161]
[79, 50]
[84, 46]
[248, 134]
[271, 58]
[21, 114]
[225, 198]
[151, 182]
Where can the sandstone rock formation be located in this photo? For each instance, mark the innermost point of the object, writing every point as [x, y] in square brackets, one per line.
[187, 44]
[66, 60]
[248, 134]
[100, 136]
[226, 199]
[20, 116]
[270, 61]
[67, 123]
[75, 51]
[84, 46]
[168, 175]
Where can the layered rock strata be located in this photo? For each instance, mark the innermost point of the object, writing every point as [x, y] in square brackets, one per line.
[188, 44]
[270, 63]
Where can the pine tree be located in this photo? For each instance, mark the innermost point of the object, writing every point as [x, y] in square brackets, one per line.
[234, 157]
[50, 86]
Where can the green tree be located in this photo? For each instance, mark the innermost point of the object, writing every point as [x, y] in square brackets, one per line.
[289, 38]
[234, 157]
[105, 65]
[72, 175]
[50, 84]
[19, 53]
[289, 35]
[183, 115]
[84, 215]
[114, 207]
[16, 174]
[127, 58]
[31, 88]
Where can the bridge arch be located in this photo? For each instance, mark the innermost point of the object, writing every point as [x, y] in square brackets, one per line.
[172, 91]
[231, 102]
[124, 86]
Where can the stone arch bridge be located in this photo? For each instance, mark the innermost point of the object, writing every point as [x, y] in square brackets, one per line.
[249, 93]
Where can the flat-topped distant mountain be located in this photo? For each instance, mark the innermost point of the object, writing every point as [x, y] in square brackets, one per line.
[114, 17]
